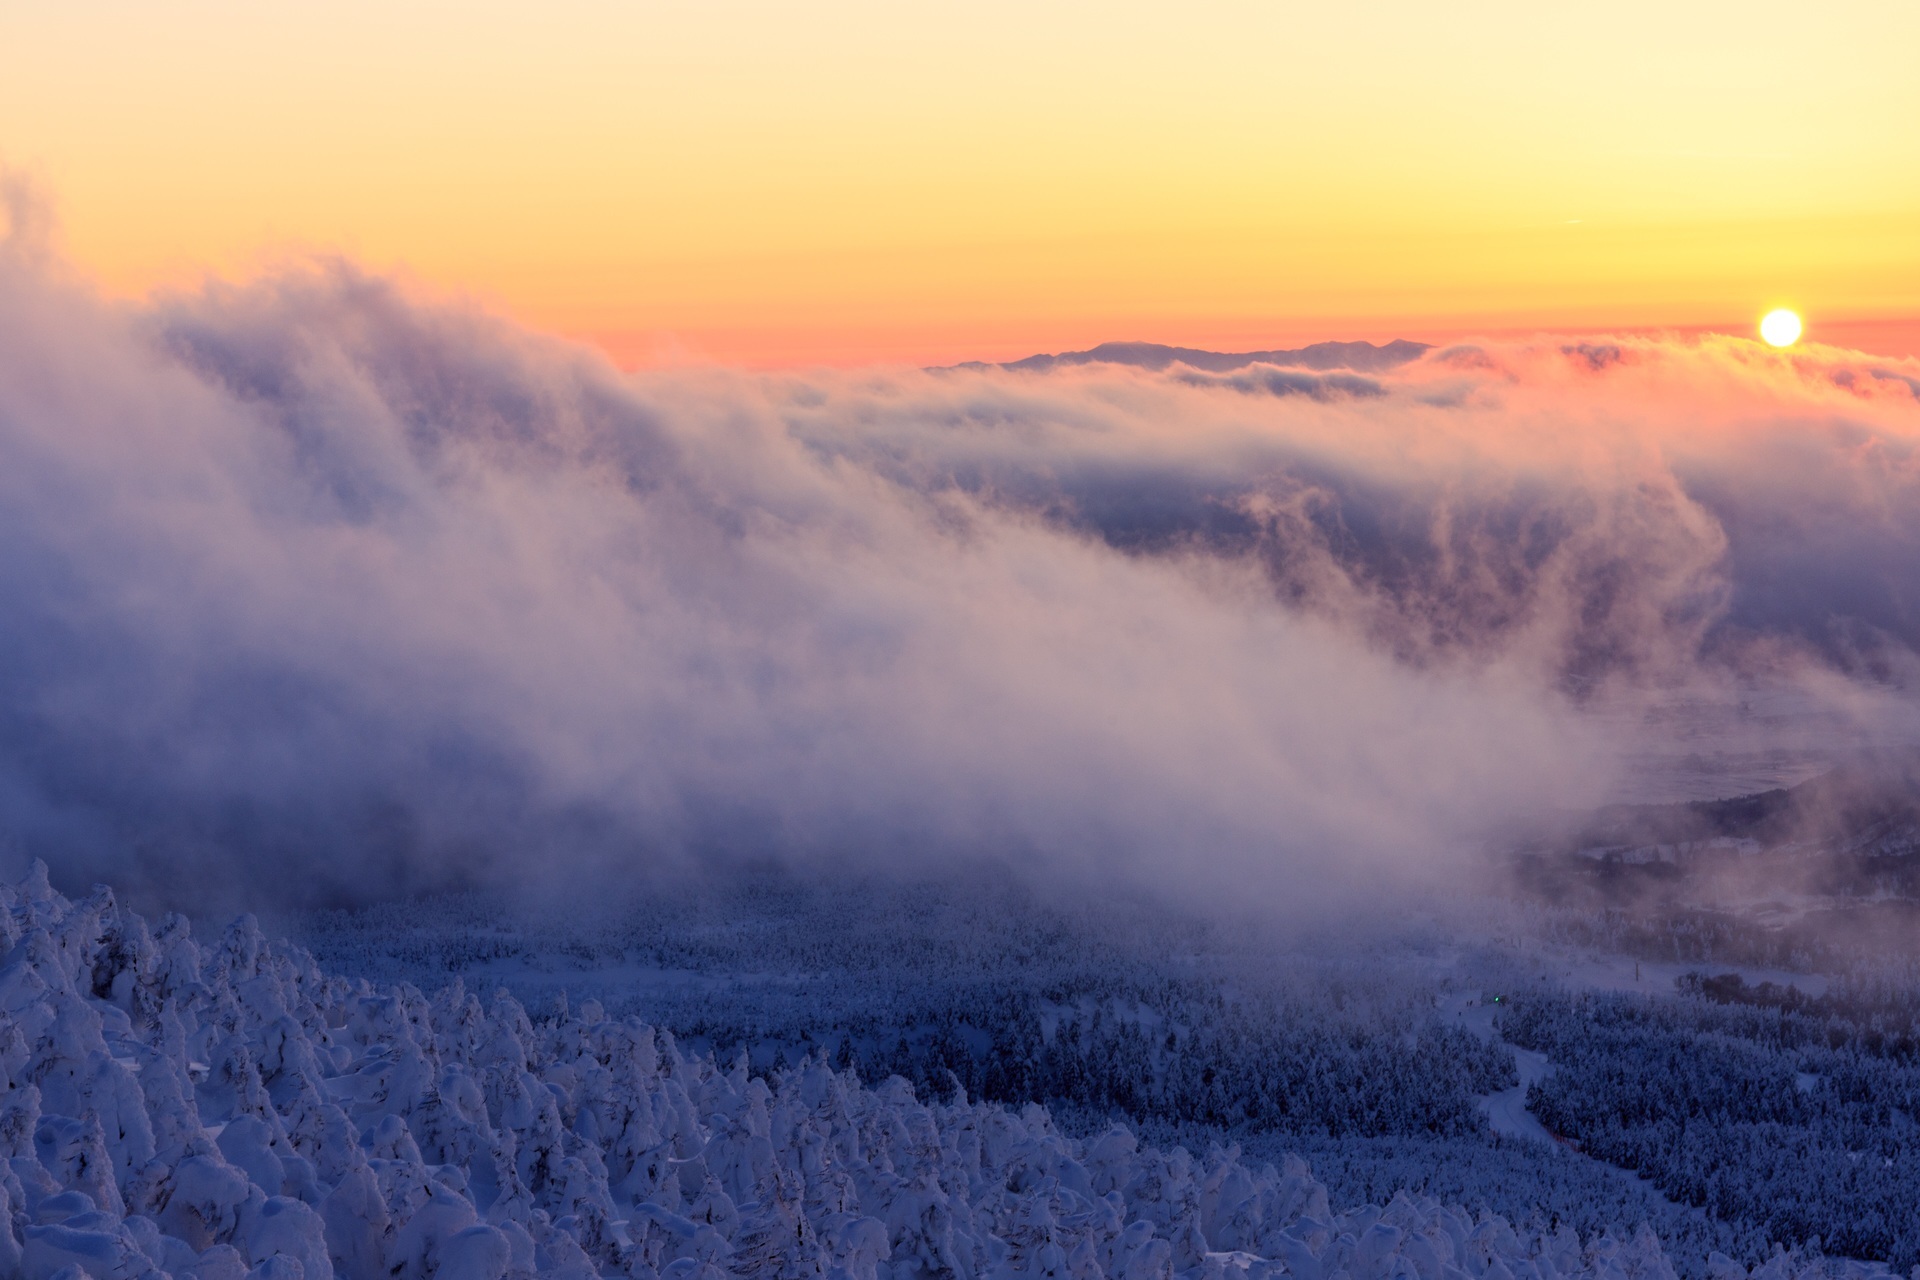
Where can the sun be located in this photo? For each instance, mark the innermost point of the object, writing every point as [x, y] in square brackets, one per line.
[1781, 328]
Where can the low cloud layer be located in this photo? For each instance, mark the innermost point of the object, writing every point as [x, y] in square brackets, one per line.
[313, 592]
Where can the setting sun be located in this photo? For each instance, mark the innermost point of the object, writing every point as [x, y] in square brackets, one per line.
[1780, 328]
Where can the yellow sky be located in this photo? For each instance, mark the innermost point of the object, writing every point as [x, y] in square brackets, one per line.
[840, 181]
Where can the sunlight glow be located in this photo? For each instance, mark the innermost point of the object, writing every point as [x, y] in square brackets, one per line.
[779, 184]
[1780, 328]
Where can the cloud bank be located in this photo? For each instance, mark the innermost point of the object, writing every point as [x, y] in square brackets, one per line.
[316, 592]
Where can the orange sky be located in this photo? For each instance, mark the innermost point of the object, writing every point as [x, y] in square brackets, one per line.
[839, 182]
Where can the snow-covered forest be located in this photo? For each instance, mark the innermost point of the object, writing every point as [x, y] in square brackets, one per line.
[1106, 1005]
[227, 1108]
[1801, 1124]
[1374, 1059]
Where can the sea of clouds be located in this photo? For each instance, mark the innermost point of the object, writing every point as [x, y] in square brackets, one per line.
[313, 590]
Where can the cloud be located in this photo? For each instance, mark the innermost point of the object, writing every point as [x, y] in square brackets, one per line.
[316, 591]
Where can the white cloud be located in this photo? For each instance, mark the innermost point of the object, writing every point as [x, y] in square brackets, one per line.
[312, 585]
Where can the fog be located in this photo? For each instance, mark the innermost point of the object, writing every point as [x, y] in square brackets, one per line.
[318, 590]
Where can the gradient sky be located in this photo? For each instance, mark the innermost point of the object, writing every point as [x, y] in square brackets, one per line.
[846, 181]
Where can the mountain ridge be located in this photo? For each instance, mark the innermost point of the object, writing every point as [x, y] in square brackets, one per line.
[1358, 356]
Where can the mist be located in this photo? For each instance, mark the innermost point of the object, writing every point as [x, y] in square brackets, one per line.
[320, 591]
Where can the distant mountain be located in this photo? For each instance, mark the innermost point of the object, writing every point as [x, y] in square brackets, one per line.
[1845, 840]
[1868, 807]
[1360, 356]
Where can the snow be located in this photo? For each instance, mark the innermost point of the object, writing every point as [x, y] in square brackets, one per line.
[1598, 971]
[1507, 1110]
[280, 1121]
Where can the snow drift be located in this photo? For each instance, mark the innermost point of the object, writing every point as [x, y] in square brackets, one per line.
[315, 591]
